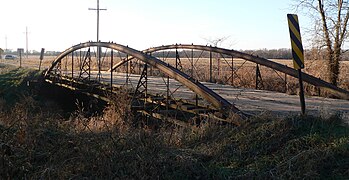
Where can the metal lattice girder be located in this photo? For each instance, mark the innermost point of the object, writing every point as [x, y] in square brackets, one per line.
[85, 68]
[258, 60]
[58, 69]
[259, 81]
[178, 61]
[142, 86]
[216, 100]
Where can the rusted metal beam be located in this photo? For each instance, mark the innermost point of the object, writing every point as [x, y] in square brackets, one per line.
[339, 92]
[217, 101]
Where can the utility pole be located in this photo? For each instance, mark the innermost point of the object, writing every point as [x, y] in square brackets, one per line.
[26, 40]
[6, 43]
[98, 47]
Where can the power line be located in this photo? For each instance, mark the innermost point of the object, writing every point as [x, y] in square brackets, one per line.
[26, 39]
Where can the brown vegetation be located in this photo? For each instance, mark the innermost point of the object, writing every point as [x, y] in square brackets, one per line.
[37, 142]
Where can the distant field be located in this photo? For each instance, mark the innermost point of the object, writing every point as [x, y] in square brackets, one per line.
[31, 61]
[244, 71]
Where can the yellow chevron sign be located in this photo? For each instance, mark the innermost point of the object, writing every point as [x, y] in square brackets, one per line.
[296, 41]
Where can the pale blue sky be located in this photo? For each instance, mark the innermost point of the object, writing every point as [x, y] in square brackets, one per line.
[57, 25]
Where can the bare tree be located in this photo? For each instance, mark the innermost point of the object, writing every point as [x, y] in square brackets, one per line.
[330, 28]
[216, 42]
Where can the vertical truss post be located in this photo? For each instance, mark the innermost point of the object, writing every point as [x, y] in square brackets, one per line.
[80, 58]
[85, 67]
[285, 83]
[127, 69]
[111, 72]
[146, 81]
[99, 63]
[210, 64]
[196, 97]
[89, 67]
[259, 83]
[192, 63]
[72, 65]
[139, 66]
[66, 66]
[257, 74]
[131, 67]
[151, 67]
[177, 57]
[142, 83]
[232, 71]
[218, 66]
[59, 68]
[167, 96]
[178, 60]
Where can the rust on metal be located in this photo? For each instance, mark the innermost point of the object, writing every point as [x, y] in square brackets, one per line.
[217, 101]
[339, 92]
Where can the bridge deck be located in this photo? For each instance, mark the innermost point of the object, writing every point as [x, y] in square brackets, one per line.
[248, 100]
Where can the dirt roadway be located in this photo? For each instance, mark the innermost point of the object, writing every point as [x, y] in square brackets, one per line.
[248, 100]
[280, 104]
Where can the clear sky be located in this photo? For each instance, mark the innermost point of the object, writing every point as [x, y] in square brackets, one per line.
[59, 24]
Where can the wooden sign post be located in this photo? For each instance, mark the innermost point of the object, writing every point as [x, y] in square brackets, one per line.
[297, 53]
[20, 52]
[41, 57]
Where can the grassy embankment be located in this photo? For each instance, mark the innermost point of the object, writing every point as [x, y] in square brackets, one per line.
[37, 142]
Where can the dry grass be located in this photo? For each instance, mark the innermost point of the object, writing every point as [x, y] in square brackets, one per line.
[36, 142]
[32, 61]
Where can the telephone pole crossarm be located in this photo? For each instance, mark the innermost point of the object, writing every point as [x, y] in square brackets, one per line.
[97, 9]
[98, 48]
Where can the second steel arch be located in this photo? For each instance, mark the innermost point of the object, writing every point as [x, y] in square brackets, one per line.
[262, 61]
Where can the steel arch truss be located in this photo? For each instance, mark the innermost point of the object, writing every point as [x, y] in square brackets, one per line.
[217, 102]
[224, 53]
